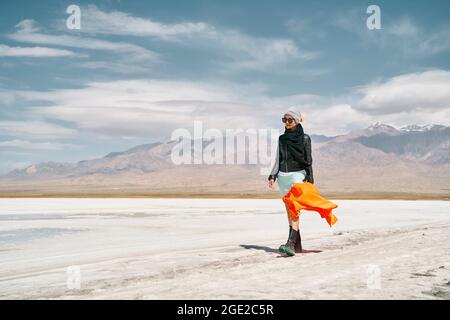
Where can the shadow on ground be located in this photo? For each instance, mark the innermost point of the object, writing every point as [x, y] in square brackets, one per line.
[272, 250]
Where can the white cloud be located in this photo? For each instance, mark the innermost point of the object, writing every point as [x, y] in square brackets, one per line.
[232, 50]
[142, 107]
[96, 21]
[119, 67]
[255, 53]
[28, 26]
[34, 52]
[427, 91]
[29, 32]
[154, 108]
[238, 51]
[415, 98]
[29, 145]
[323, 115]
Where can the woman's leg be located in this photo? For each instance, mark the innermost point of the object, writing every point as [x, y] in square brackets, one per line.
[293, 245]
[298, 178]
[284, 184]
[295, 224]
[292, 222]
[290, 226]
[288, 215]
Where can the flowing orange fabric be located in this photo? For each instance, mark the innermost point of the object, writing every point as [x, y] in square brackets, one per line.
[305, 196]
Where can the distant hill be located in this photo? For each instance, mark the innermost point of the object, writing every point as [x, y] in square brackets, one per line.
[379, 158]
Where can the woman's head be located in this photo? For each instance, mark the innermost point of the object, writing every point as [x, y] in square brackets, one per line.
[291, 118]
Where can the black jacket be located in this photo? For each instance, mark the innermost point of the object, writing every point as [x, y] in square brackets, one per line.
[288, 162]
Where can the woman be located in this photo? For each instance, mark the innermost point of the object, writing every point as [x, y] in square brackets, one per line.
[293, 165]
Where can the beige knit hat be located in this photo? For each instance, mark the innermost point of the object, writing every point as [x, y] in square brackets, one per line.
[294, 113]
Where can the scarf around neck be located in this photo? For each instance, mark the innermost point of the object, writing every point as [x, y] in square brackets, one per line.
[293, 136]
[294, 141]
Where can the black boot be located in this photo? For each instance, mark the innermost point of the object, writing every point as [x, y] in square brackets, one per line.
[289, 234]
[289, 247]
[298, 244]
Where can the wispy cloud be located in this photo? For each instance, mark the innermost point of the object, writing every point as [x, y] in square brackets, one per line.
[404, 27]
[96, 21]
[255, 53]
[236, 49]
[155, 107]
[140, 107]
[114, 66]
[33, 52]
[437, 42]
[400, 35]
[28, 31]
[228, 50]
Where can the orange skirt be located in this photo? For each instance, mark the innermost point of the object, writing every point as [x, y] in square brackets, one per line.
[305, 196]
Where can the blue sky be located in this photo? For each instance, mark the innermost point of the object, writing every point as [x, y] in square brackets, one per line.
[137, 70]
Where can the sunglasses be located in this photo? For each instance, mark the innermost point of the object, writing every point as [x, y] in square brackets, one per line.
[288, 120]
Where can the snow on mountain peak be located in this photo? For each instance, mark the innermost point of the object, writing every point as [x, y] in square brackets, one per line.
[381, 126]
[375, 124]
[31, 169]
[415, 127]
[378, 126]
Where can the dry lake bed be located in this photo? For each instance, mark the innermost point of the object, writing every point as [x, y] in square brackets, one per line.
[134, 248]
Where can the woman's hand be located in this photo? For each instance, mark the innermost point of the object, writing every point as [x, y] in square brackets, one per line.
[270, 184]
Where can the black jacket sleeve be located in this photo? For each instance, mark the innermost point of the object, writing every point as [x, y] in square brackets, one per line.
[309, 174]
[308, 158]
[276, 167]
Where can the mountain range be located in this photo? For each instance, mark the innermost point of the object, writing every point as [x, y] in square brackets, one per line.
[378, 159]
